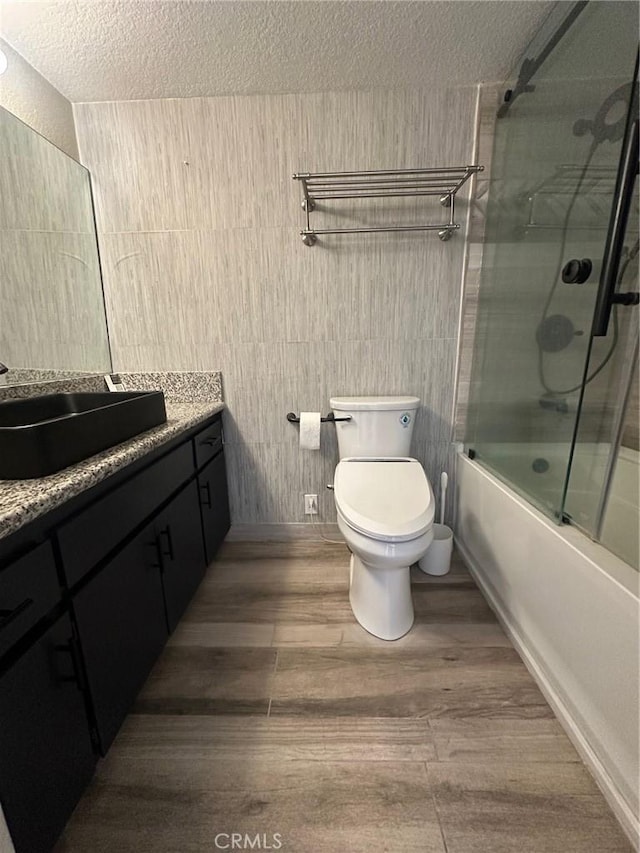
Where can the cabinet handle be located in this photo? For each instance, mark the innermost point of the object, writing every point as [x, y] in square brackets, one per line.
[7, 616]
[71, 648]
[156, 546]
[166, 531]
[212, 442]
[205, 488]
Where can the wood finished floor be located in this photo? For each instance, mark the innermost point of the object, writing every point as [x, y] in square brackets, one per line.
[272, 711]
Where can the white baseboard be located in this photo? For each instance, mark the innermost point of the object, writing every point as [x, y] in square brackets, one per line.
[618, 804]
[282, 532]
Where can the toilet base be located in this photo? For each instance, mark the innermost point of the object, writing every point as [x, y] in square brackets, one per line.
[381, 599]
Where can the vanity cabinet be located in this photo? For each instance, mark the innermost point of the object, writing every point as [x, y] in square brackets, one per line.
[179, 537]
[127, 608]
[29, 589]
[46, 753]
[97, 531]
[214, 504]
[122, 627]
[88, 598]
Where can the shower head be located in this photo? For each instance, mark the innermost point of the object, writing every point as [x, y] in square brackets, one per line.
[610, 119]
[555, 333]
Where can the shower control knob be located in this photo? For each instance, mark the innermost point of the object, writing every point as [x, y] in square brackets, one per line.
[576, 272]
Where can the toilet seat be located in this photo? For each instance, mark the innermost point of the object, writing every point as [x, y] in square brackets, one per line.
[389, 500]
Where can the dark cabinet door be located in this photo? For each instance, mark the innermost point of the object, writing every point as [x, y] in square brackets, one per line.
[179, 534]
[214, 502]
[29, 590]
[46, 757]
[122, 626]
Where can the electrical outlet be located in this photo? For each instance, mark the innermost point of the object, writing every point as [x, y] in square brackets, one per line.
[310, 504]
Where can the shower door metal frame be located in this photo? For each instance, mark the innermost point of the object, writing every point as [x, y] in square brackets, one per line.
[606, 301]
[608, 252]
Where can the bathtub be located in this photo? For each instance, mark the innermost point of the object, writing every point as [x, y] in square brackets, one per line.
[571, 608]
[621, 530]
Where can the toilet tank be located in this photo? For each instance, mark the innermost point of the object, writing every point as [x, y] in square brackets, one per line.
[379, 426]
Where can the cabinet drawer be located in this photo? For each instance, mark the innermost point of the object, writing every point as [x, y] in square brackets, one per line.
[208, 442]
[90, 536]
[29, 589]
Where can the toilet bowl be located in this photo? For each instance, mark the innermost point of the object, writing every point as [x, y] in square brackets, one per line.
[385, 509]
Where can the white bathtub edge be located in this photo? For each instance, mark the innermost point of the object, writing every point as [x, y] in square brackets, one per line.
[620, 807]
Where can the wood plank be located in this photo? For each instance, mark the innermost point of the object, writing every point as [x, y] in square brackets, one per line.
[423, 635]
[268, 604]
[222, 635]
[530, 808]
[458, 682]
[209, 681]
[246, 738]
[181, 804]
[502, 740]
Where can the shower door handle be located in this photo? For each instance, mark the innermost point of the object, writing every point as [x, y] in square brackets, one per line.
[576, 272]
[625, 183]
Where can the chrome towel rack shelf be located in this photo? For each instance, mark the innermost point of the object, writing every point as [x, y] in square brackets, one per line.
[327, 187]
[594, 182]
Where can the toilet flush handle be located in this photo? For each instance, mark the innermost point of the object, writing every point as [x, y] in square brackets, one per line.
[330, 486]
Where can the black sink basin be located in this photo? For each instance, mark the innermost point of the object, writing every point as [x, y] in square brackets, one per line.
[41, 435]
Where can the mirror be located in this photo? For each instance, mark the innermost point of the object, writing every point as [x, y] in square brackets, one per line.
[52, 316]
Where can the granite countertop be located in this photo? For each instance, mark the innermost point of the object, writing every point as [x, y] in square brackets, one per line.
[21, 501]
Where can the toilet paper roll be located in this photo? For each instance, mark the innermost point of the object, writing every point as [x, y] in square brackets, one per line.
[310, 430]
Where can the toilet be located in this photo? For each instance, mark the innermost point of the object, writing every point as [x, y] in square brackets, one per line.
[385, 508]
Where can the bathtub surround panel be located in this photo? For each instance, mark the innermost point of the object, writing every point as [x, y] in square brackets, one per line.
[571, 609]
[204, 267]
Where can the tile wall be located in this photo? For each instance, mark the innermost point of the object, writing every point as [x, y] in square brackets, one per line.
[204, 268]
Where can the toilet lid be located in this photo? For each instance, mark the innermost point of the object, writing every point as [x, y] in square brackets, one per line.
[387, 499]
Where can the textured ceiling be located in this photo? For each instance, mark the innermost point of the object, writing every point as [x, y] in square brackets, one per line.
[93, 50]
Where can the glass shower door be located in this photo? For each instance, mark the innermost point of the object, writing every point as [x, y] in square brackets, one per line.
[557, 146]
[603, 495]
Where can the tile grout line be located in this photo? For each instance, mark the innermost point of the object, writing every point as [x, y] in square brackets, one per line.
[433, 739]
[435, 808]
[275, 667]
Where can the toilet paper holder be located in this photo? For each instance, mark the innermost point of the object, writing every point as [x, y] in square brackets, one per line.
[295, 419]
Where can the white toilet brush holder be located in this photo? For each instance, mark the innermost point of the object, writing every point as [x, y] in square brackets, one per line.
[437, 560]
